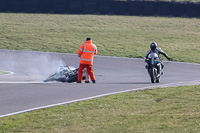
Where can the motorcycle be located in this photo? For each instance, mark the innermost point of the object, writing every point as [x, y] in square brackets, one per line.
[154, 67]
[65, 74]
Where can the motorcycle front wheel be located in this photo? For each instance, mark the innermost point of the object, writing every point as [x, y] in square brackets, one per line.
[153, 74]
[158, 80]
[49, 79]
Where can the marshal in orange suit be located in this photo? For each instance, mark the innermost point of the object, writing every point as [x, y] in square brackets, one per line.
[86, 51]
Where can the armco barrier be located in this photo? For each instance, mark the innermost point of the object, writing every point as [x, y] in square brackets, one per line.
[76, 6]
[135, 7]
[104, 6]
[16, 5]
[193, 9]
[60, 6]
[31, 6]
[119, 7]
[149, 8]
[178, 9]
[164, 8]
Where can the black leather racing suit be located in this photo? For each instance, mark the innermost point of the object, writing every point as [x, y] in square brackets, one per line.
[158, 51]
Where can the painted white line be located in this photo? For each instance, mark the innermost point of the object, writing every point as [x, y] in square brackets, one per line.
[107, 94]
[20, 82]
[28, 110]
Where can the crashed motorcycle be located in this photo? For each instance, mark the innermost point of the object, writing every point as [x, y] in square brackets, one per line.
[65, 74]
[154, 67]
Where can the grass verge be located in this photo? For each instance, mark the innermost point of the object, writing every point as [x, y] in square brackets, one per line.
[125, 36]
[174, 110]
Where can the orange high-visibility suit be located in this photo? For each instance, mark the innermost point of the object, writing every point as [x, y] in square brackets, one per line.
[86, 51]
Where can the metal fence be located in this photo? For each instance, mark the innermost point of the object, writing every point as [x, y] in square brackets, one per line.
[116, 7]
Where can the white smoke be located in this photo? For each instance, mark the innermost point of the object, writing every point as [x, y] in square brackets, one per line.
[30, 63]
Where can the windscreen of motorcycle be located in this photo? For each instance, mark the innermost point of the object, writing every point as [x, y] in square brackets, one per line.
[153, 57]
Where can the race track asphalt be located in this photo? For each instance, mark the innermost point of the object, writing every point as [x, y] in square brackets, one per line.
[25, 90]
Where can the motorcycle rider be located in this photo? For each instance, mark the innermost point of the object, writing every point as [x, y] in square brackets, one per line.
[158, 51]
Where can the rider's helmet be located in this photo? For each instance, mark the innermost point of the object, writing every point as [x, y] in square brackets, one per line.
[153, 46]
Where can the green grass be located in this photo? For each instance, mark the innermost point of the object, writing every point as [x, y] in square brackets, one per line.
[174, 110]
[125, 36]
[166, 110]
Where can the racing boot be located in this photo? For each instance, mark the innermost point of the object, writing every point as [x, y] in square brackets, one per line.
[146, 66]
